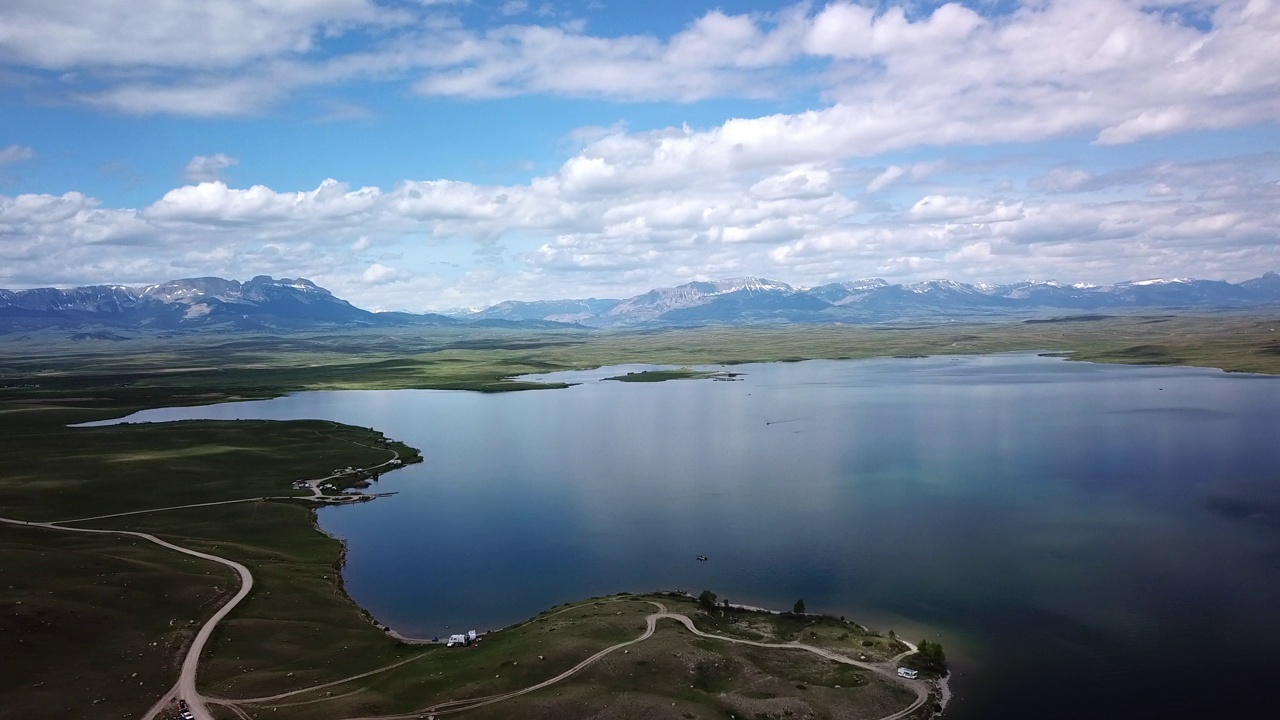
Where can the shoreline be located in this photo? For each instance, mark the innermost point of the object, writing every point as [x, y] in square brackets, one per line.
[338, 563]
[941, 687]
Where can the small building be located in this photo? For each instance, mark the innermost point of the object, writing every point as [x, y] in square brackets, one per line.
[908, 673]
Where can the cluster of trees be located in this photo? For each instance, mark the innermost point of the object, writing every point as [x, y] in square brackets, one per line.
[707, 600]
[931, 659]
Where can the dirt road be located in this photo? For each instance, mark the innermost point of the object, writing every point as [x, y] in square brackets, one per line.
[186, 685]
[651, 622]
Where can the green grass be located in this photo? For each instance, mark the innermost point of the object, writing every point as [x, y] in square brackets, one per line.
[79, 613]
[843, 636]
[92, 625]
[57, 473]
[676, 675]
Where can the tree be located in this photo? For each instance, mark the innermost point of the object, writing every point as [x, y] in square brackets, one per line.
[726, 603]
[930, 658]
[799, 607]
[707, 600]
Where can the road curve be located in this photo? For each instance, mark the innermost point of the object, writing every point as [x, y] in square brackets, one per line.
[651, 622]
[185, 688]
[186, 685]
[921, 691]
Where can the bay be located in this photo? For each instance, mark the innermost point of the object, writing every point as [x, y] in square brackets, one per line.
[1086, 540]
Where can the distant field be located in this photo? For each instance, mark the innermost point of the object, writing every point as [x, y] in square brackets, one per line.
[195, 369]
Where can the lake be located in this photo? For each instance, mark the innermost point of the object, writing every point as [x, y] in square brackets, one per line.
[1086, 540]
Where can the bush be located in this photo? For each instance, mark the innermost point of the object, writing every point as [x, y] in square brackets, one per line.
[707, 600]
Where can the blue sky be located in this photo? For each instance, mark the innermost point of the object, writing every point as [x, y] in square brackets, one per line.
[428, 154]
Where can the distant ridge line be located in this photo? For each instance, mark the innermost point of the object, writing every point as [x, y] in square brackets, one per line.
[298, 304]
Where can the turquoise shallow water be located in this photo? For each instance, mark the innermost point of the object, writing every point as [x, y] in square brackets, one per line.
[1086, 540]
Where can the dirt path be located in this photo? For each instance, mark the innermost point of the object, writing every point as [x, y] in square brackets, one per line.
[313, 688]
[186, 685]
[882, 669]
[175, 507]
[651, 622]
[185, 688]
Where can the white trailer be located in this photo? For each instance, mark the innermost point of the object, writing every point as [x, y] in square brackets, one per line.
[456, 640]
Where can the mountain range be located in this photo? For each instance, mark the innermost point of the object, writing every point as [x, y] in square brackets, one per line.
[298, 304]
[261, 303]
[757, 300]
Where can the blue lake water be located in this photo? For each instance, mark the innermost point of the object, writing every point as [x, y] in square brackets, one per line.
[1086, 540]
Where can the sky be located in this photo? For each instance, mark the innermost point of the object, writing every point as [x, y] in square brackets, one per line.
[438, 154]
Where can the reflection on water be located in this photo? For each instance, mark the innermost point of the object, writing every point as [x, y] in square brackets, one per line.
[1087, 540]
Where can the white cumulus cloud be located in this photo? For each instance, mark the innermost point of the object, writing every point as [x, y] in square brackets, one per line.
[551, 238]
[379, 274]
[15, 154]
[208, 168]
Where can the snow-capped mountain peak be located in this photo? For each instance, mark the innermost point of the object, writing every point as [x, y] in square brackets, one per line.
[750, 284]
[1159, 281]
[939, 285]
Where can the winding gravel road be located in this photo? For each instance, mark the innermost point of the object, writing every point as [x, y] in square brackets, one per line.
[185, 688]
[651, 622]
[186, 685]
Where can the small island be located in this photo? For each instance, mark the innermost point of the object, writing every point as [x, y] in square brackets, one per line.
[683, 373]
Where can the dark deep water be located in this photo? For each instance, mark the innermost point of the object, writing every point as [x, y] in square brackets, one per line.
[1087, 541]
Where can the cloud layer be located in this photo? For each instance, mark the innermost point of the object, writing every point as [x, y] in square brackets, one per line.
[1123, 69]
[586, 231]
[867, 182]
[15, 154]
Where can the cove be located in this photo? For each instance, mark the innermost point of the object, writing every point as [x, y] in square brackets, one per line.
[1086, 540]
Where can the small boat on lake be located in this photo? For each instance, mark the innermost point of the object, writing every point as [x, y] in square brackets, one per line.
[702, 558]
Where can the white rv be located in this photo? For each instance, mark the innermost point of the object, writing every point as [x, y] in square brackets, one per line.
[908, 673]
[456, 640]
